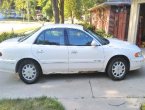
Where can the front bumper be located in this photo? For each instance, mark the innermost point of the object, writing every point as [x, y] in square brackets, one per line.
[137, 63]
[7, 66]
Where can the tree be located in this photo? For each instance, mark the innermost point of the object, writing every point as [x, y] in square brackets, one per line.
[85, 6]
[47, 9]
[73, 9]
[100, 1]
[5, 6]
[28, 6]
[56, 11]
[61, 10]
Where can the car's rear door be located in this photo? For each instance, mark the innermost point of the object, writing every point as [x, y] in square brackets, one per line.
[51, 51]
[83, 56]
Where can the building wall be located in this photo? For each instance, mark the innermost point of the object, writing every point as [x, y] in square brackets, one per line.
[100, 18]
[119, 20]
[134, 17]
[112, 19]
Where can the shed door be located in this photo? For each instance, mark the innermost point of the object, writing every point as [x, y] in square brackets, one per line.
[119, 24]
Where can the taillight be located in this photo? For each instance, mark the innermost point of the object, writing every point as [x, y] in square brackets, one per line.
[0, 54]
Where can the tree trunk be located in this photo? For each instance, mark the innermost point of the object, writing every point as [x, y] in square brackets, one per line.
[62, 11]
[72, 18]
[55, 11]
[28, 10]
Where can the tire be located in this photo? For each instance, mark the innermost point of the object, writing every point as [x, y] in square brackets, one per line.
[29, 71]
[117, 68]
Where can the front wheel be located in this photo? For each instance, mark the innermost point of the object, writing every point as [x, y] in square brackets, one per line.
[117, 68]
[29, 71]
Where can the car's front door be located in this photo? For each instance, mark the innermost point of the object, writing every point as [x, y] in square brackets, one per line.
[49, 48]
[83, 56]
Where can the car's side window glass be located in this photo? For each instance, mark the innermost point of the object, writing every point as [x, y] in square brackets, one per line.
[40, 39]
[78, 38]
[51, 37]
[54, 37]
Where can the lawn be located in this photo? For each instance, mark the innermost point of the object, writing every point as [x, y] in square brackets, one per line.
[143, 107]
[17, 33]
[42, 103]
[21, 30]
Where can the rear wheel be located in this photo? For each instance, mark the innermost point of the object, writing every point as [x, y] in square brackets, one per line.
[29, 71]
[117, 68]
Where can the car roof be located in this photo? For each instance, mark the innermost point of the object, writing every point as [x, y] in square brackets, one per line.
[74, 26]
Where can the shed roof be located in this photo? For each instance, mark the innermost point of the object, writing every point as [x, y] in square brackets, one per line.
[118, 2]
[111, 3]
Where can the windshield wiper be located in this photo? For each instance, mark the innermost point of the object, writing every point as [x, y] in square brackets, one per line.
[21, 38]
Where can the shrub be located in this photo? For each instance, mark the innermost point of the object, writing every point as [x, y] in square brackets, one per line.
[88, 26]
[100, 32]
[6, 35]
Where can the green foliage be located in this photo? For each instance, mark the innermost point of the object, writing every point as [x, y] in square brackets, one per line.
[72, 8]
[100, 1]
[5, 36]
[99, 32]
[86, 4]
[42, 103]
[5, 7]
[88, 26]
[102, 33]
[142, 107]
[20, 4]
[47, 10]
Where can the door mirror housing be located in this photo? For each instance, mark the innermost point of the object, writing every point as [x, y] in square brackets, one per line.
[94, 43]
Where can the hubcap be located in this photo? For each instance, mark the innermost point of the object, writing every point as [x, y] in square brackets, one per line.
[29, 72]
[118, 69]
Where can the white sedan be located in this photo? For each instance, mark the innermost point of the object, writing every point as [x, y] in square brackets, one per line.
[66, 48]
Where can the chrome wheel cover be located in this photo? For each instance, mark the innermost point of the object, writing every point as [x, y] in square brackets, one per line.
[29, 72]
[118, 69]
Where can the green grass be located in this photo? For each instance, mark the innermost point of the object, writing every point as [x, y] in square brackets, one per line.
[42, 103]
[21, 30]
[143, 106]
[24, 30]
[8, 35]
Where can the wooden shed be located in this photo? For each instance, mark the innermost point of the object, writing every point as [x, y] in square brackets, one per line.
[113, 17]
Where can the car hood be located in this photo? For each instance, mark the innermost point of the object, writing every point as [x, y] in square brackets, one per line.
[9, 42]
[116, 43]
[12, 40]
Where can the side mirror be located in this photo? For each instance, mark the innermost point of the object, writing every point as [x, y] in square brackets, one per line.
[94, 43]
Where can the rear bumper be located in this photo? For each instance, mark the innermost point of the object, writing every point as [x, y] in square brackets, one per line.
[137, 63]
[7, 66]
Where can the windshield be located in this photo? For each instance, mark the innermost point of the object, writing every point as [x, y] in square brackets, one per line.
[26, 36]
[101, 39]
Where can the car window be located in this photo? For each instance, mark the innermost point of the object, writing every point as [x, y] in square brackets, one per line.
[78, 38]
[40, 39]
[51, 37]
[99, 38]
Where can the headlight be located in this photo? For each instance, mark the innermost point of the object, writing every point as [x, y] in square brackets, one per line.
[138, 54]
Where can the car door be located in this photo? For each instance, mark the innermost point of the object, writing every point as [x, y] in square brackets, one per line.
[83, 56]
[51, 51]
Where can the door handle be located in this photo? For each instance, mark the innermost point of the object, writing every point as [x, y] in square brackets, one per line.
[40, 51]
[74, 52]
